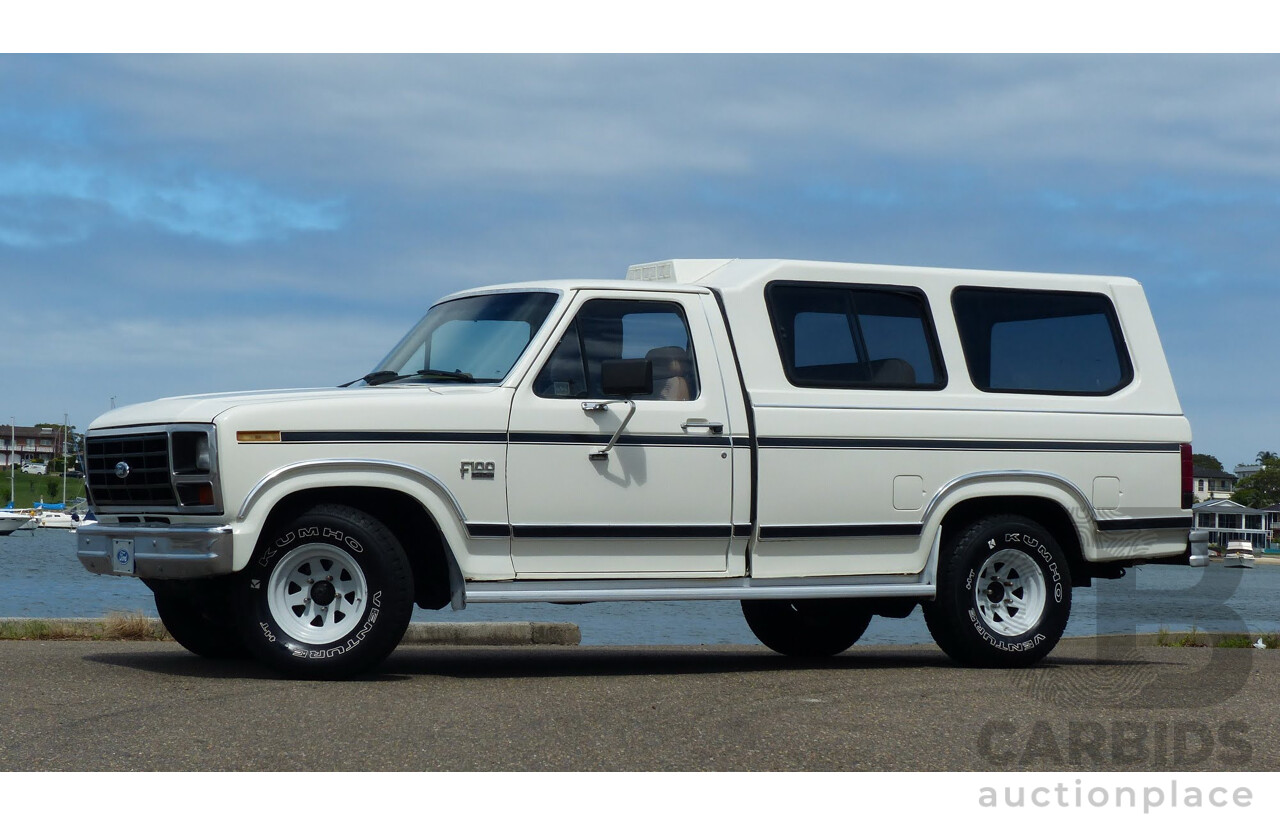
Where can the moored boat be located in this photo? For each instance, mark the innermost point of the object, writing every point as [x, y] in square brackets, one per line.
[55, 518]
[61, 516]
[11, 521]
[1239, 554]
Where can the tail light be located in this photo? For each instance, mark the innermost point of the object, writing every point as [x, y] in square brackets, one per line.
[1188, 491]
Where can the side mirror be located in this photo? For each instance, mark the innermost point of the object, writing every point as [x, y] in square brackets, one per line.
[626, 377]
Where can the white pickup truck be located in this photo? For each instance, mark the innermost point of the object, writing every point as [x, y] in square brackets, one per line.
[823, 442]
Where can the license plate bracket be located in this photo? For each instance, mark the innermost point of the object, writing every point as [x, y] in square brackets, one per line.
[122, 560]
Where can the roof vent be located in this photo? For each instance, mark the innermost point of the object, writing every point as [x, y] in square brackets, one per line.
[683, 271]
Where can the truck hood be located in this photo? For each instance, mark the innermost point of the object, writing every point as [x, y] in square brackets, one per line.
[203, 409]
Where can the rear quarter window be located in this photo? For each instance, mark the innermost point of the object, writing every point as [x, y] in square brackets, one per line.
[1041, 342]
[854, 336]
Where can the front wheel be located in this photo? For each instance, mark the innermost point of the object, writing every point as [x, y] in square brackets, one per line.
[1004, 594]
[807, 627]
[327, 595]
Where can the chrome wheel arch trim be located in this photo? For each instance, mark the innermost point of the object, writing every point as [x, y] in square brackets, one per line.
[300, 468]
[1021, 476]
[1063, 485]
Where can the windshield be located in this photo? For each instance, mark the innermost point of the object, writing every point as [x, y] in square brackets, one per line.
[472, 340]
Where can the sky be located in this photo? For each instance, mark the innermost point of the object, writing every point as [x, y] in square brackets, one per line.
[182, 224]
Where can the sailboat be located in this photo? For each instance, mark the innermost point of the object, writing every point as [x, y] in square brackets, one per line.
[53, 515]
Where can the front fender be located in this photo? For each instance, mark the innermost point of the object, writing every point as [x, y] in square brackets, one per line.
[478, 549]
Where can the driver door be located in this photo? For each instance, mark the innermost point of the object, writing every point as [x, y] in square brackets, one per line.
[658, 503]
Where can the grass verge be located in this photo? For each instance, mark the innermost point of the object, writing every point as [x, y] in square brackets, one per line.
[1194, 638]
[133, 627]
[1271, 640]
[1191, 638]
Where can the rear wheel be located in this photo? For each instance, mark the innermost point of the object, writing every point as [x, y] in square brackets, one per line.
[1004, 594]
[327, 595]
[807, 627]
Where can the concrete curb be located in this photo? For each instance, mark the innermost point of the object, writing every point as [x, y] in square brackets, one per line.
[492, 633]
[419, 633]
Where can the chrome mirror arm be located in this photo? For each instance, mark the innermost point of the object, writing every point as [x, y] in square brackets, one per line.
[600, 406]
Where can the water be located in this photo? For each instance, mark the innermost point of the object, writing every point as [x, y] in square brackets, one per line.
[41, 578]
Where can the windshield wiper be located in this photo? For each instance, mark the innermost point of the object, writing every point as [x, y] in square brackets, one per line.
[456, 375]
[373, 379]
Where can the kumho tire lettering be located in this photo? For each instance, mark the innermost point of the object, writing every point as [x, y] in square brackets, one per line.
[1003, 593]
[333, 597]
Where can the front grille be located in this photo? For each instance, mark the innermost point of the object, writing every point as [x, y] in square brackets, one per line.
[149, 482]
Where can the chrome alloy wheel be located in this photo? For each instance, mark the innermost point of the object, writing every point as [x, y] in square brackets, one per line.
[1010, 593]
[317, 593]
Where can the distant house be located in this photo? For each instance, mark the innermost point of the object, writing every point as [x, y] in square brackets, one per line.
[1273, 515]
[35, 444]
[1231, 521]
[1243, 471]
[1209, 484]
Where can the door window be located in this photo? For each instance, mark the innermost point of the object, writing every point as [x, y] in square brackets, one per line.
[607, 329]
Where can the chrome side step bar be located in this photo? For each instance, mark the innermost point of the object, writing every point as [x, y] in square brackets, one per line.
[862, 587]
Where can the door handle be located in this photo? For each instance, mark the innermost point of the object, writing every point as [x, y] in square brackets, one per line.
[702, 423]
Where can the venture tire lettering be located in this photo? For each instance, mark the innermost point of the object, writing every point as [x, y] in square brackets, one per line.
[1025, 593]
[363, 593]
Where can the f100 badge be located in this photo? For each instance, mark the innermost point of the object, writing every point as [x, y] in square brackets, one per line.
[478, 469]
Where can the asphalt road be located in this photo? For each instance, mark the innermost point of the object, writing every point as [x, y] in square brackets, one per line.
[1093, 705]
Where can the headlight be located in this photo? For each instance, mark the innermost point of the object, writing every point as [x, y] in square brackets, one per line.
[192, 466]
[191, 453]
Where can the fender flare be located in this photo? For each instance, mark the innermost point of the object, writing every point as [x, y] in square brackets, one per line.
[430, 491]
[1008, 483]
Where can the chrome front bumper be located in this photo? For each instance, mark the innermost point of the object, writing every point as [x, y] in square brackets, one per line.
[155, 552]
